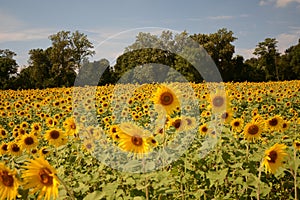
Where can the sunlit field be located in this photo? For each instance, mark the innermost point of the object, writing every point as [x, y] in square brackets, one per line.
[231, 141]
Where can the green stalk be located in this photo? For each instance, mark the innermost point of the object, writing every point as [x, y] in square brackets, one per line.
[66, 188]
[258, 181]
[295, 173]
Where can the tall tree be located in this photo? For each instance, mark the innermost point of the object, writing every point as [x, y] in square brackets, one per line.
[290, 63]
[219, 46]
[268, 55]
[8, 67]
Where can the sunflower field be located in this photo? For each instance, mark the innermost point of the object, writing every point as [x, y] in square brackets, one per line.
[151, 141]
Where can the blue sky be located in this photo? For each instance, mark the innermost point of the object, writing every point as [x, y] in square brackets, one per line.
[113, 24]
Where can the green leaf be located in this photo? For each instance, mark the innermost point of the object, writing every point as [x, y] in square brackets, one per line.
[94, 195]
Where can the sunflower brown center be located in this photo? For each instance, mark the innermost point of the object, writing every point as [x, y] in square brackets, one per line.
[137, 140]
[218, 101]
[273, 156]
[89, 146]
[273, 122]
[3, 132]
[177, 123]
[15, 148]
[297, 144]
[29, 141]
[45, 177]
[236, 124]
[204, 129]
[73, 126]
[7, 179]
[166, 98]
[284, 125]
[253, 129]
[4, 147]
[189, 121]
[54, 134]
[225, 115]
[36, 127]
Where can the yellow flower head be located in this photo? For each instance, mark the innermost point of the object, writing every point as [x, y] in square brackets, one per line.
[167, 98]
[274, 157]
[8, 183]
[40, 175]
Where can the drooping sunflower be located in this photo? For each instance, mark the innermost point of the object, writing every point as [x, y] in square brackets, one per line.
[274, 157]
[253, 130]
[8, 183]
[70, 126]
[55, 137]
[296, 145]
[40, 175]
[226, 116]
[28, 141]
[167, 98]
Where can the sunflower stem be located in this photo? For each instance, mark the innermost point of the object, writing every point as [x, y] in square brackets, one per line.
[66, 188]
[295, 173]
[258, 181]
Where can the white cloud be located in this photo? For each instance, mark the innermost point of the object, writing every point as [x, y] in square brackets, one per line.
[26, 34]
[246, 53]
[221, 17]
[278, 3]
[286, 40]
[8, 22]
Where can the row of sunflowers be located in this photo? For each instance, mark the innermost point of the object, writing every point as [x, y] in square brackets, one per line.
[151, 141]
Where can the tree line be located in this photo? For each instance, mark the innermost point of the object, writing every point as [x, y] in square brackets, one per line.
[68, 60]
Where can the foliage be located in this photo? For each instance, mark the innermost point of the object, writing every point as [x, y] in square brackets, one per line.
[222, 165]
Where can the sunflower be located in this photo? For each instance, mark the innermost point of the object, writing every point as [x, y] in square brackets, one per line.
[40, 175]
[166, 97]
[3, 133]
[14, 149]
[190, 122]
[203, 129]
[219, 102]
[133, 139]
[226, 116]
[88, 145]
[28, 141]
[274, 157]
[253, 130]
[55, 137]
[36, 127]
[3, 149]
[274, 123]
[237, 124]
[70, 126]
[177, 123]
[8, 183]
[296, 145]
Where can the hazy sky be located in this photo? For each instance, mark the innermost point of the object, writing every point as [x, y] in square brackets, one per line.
[113, 24]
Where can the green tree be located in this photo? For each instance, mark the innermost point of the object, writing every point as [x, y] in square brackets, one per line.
[219, 46]
[167, 49]
[268, 55]
[290, 63]
[40, 66]
[8, 67]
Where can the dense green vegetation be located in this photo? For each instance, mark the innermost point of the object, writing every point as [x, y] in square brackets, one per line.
[69, 55]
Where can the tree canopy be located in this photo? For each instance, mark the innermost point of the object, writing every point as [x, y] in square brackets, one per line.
[151, 58]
